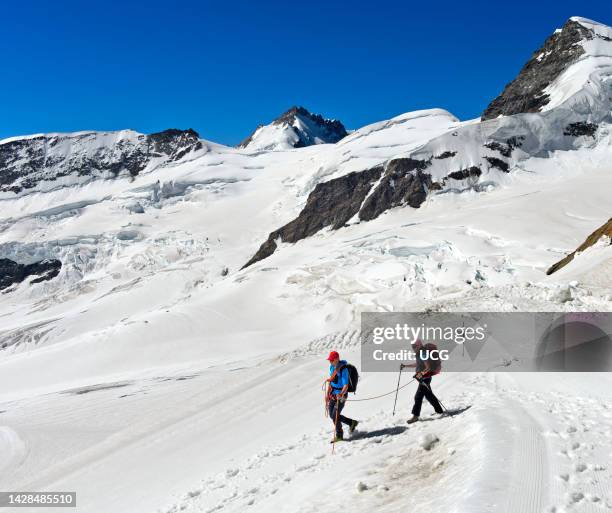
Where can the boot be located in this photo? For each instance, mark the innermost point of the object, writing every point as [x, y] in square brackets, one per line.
[412, 420]
[353, 426]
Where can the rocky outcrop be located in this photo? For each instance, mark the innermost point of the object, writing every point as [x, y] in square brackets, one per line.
[330, 130]
[445, 155]
[506, 149]
[25, 162]
[365, 194]
[295, 128]
[526, 92]
[497, 163]
[404, 183]
[602, 232]
[580, 128]
[462, 174]
[12, 272]
[331, 203]
[173, 143]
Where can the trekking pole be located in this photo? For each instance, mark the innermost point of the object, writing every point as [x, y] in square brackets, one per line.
[429, 388]
[399, 377]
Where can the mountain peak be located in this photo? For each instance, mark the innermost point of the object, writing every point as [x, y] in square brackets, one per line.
[295, 128]
[598, 29]
[533, 88]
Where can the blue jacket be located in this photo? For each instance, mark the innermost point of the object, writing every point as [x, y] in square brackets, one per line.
[342, 378]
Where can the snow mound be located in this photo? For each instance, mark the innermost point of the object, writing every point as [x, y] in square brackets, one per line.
[428, 441]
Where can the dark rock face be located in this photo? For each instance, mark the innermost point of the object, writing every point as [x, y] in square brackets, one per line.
[526, 92]
[327, 130]
[173, 143]
[25, 162]
[462, 174]
[404, 183]
[506, 149]
[516, 141]
[580, 128]
[498, 164]
[11, 272]
[603, 231]
[446, 155]
[335, 202]
[331, 203]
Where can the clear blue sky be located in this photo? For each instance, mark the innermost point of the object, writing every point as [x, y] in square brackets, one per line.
[223, 67]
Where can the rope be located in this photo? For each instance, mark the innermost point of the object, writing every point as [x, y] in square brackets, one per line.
[365, 398]
[382, 395]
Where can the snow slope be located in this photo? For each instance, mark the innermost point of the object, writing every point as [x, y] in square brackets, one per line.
[527, 443]
[154, 375]
[585, 83]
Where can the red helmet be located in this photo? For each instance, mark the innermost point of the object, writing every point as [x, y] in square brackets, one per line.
[333, 356]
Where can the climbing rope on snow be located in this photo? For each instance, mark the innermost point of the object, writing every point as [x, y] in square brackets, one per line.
[365, 398]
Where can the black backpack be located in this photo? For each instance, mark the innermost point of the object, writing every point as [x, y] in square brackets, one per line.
[353, 377]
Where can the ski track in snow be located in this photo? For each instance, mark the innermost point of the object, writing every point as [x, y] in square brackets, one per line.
[522, 447]
[528, 443]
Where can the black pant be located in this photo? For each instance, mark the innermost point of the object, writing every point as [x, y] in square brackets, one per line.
[424, 390]
[341, 418]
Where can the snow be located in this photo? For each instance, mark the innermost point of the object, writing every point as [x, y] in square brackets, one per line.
[598, 28]
[147, 379]
[284, 135]
[530, 432]
[584, 84]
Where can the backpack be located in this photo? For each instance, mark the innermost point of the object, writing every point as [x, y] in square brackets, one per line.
[435, 364]
[353, 377]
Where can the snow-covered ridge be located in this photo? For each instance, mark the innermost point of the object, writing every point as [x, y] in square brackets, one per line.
[405, 118]
[40, 161]
[296, 128]
[599, 29]
[479, 156]
[575, 57]
[602, 236]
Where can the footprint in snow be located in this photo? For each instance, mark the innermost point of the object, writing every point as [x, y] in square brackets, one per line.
[580, 467]
[361, 487]
[575, 497]
[306, 466]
